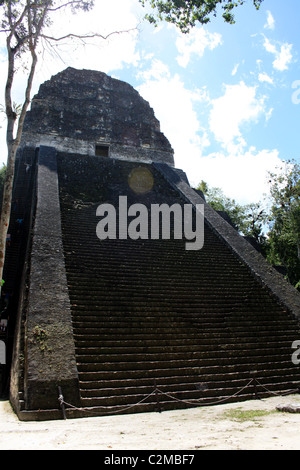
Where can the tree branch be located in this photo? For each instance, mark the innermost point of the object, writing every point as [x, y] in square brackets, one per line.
[86, 36]
[71, 2]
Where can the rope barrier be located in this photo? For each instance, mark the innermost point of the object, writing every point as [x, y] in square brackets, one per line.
[288, 392]
[207, 403]
[105, 407]
[157, 391]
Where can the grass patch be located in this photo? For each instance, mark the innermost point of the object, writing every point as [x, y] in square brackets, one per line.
[241, 415]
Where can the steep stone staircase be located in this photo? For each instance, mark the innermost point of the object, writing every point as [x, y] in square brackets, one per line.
[157, 327]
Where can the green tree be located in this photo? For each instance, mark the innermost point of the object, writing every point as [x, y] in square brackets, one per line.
[185, 14]
[218, 201]
[284, 233]
[250, 219]
[255, 218]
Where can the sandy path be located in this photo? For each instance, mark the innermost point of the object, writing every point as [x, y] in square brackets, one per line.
[257, 426]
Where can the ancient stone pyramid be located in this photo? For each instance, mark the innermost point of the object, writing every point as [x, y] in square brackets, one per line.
[99, 327]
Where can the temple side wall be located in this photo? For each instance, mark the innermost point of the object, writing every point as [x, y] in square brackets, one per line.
[49, 348]
[144, 154]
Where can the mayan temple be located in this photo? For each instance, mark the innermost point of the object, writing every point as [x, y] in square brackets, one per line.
[128, 324]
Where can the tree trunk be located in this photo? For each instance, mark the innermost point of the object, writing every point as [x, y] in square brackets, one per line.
[6, 205]
[12, 145]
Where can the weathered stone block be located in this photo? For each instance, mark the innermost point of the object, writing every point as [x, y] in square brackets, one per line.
[78, 109]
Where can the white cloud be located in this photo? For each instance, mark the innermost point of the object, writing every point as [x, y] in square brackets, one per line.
[235, 69]
[269, 114]
[283, 54]
[270, 47]
[242, 177]
[174, 107]
[242, 174]
[195, 43]
[284, 57]
[237, 106]
[157, 71]
[270, 24]
[94, 53]
[264, 77]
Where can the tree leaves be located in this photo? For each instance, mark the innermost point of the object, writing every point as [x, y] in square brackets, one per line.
[186, 13]
[284, 234]
[277, 233]
[248, 219]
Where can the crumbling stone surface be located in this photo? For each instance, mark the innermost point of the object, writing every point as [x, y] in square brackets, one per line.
[78, 109]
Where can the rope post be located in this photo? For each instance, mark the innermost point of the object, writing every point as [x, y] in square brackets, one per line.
[61, 402]
[157, 398]
[254, 373]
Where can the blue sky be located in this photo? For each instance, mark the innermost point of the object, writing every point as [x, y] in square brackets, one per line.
[223, 93]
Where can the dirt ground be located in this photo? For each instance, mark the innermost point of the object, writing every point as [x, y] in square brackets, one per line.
[250, 425]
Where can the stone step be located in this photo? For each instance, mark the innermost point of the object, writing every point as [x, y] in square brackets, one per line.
[125, 312]
[184, 348]
[225, 363]
[177, 360]
[180, 382]
[203, 378]
[132, 270]
[126, 334]
[207, 337]
[157, 322]
[215, 372]
[111, 299]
